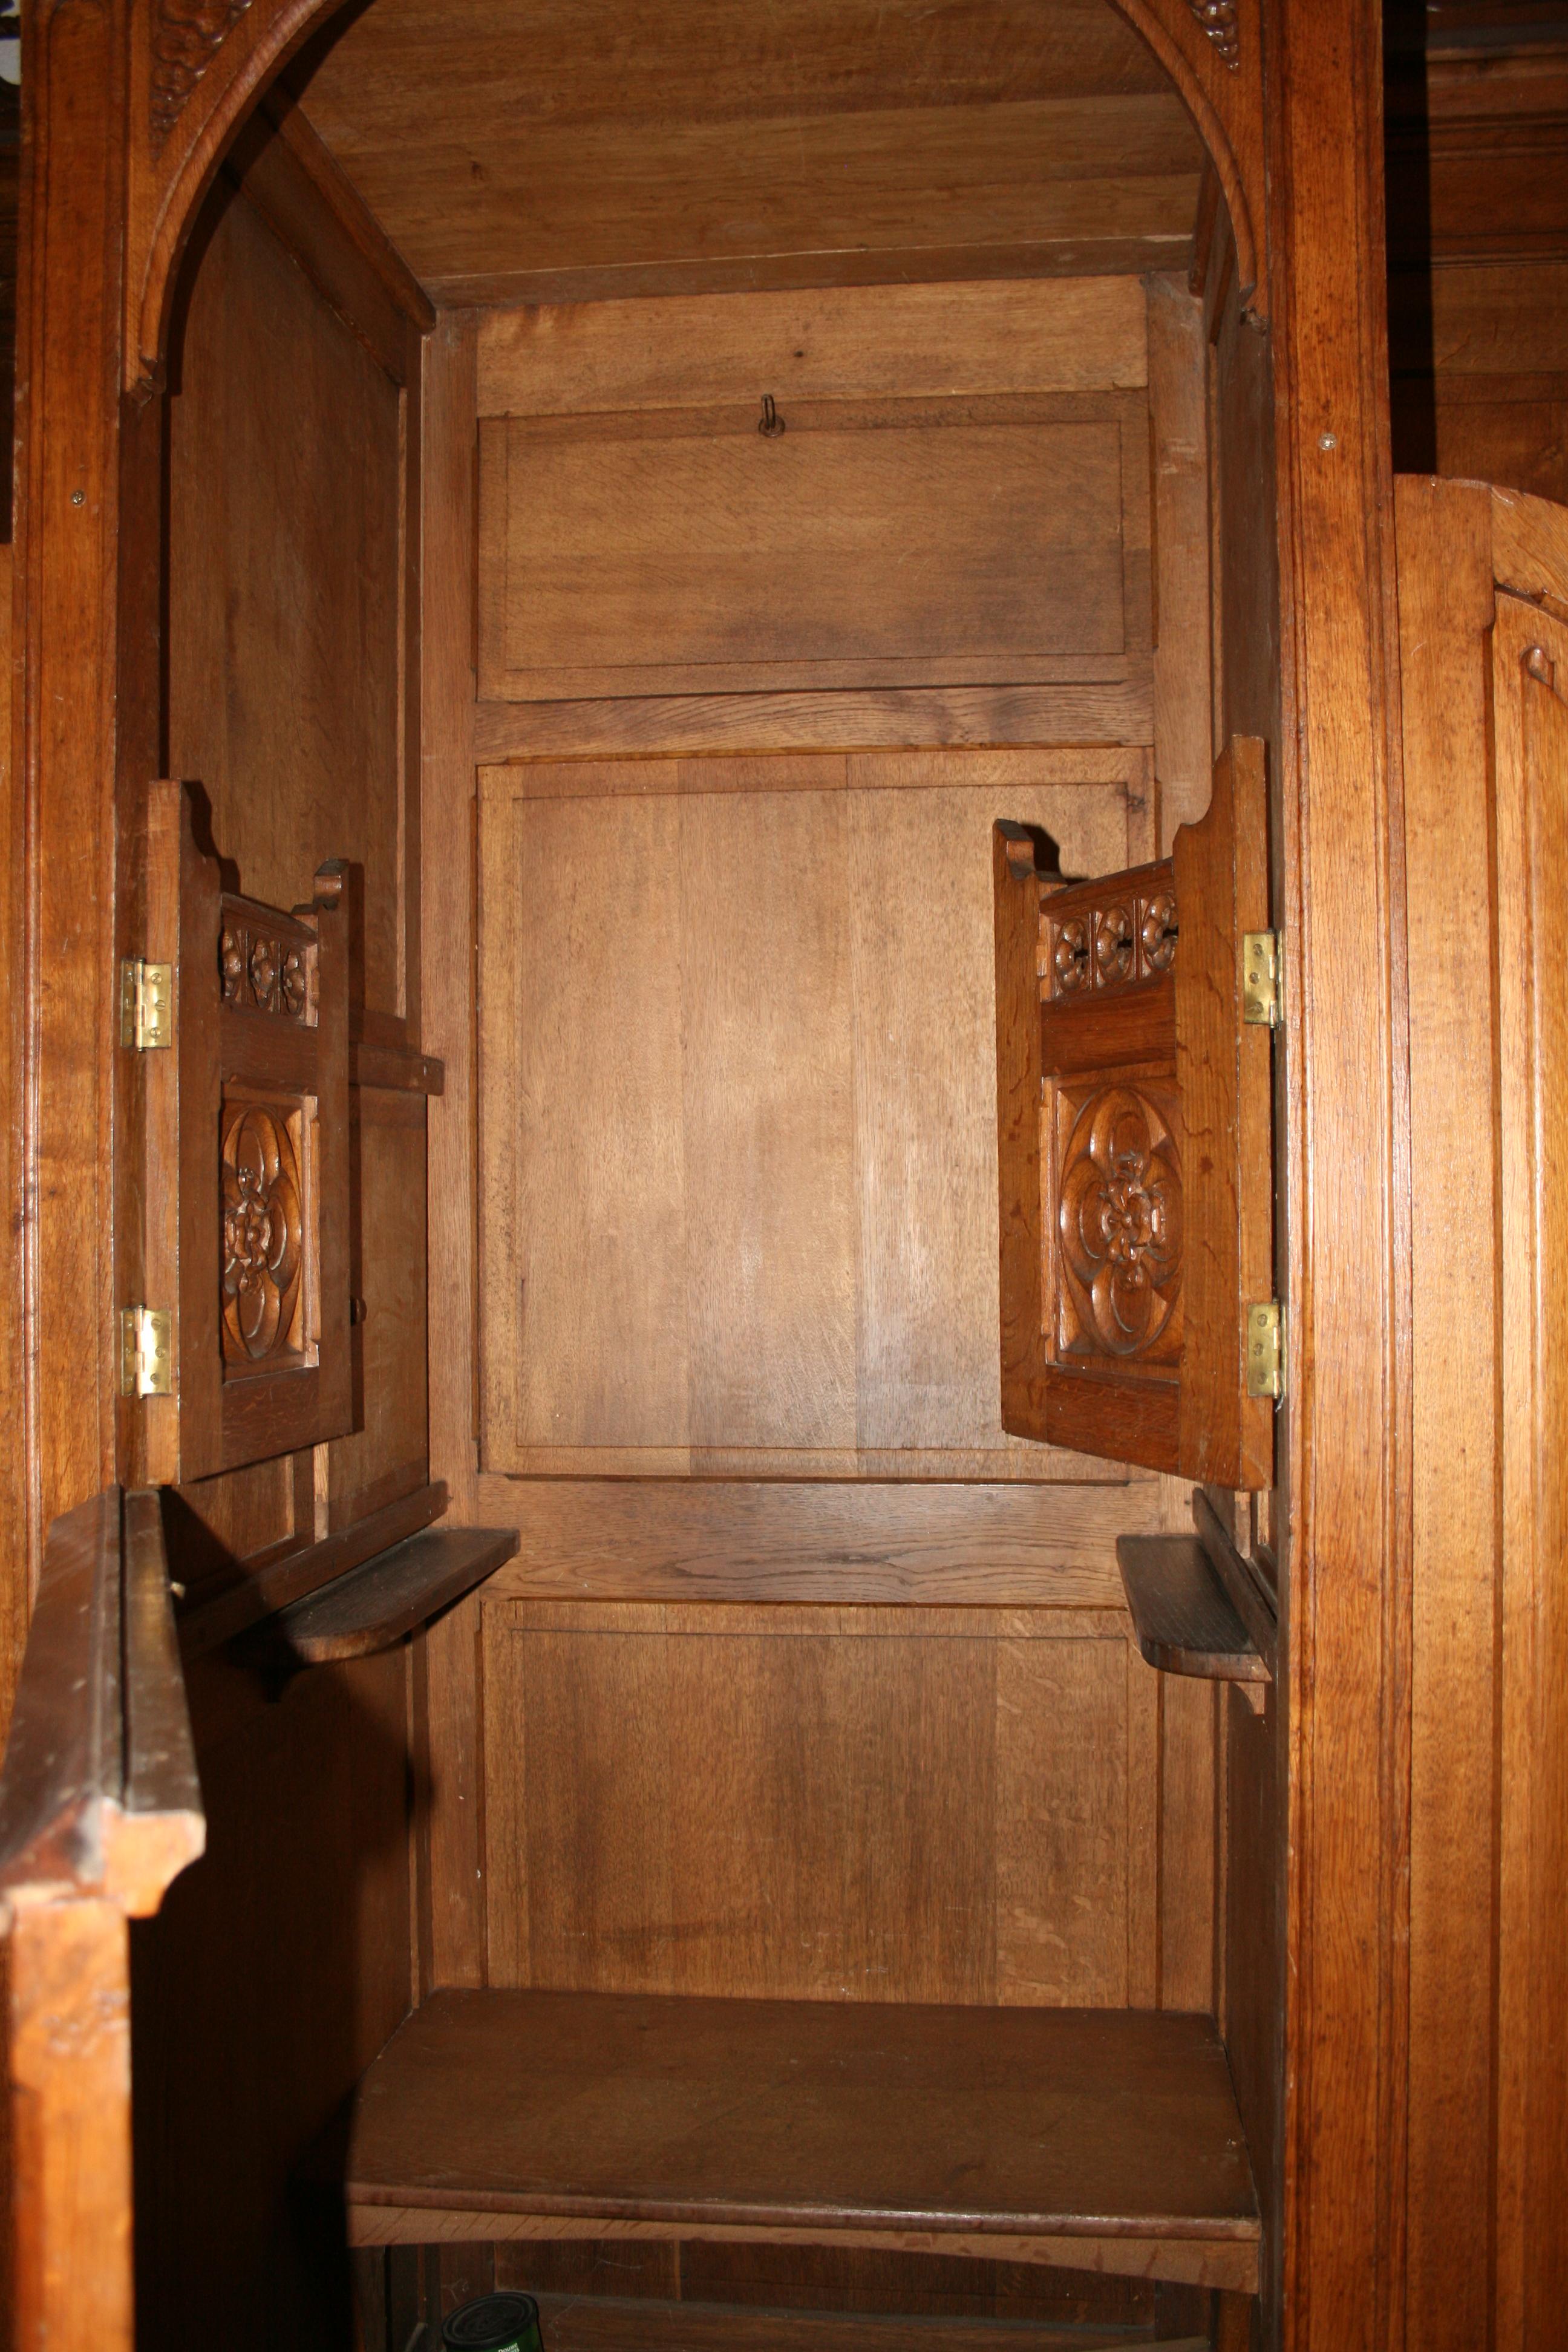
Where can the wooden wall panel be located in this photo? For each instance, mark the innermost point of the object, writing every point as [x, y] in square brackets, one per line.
[770, 1011]
[829, 1803]
[1072, 334]
[887, 542]
[387, 1456]
[290, 700]
[283, 581]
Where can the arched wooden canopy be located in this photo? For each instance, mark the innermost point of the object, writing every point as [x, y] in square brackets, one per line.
[197, 70]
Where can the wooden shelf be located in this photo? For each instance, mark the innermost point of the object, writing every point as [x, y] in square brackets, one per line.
[1183, 1614]
[373, 1606]
[587, 2323]
[1097, 2139]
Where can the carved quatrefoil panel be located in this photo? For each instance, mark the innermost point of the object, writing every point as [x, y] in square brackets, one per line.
[1119, 1225]
[263, 1231]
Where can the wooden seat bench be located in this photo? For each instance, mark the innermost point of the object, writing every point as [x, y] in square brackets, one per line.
[1095, 2139]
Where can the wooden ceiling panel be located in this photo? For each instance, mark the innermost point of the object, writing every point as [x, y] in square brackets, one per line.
[560, 150]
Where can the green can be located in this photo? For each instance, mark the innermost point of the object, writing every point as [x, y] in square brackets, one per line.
[494, 2323]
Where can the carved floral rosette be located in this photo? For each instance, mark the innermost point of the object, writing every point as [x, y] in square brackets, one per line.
[1119, 1227]
[1130, 938]
[263, 973]
[263, 1232]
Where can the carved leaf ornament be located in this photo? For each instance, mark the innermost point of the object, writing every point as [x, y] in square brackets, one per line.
[262, 1229]
[187, 37]
[1119, 1222]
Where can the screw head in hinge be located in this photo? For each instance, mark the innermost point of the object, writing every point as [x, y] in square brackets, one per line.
[1262, 981]
[146, 1351]
[1265, 1350]
[146, 1004]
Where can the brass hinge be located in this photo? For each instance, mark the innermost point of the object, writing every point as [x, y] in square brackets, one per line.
[146, 1004]
[1265, 1350]
[1262, 979]
[146, 1351]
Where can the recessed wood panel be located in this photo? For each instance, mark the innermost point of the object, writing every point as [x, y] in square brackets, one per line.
[284, 669]
[857, 1804]
[901, 542]
[737, 1120]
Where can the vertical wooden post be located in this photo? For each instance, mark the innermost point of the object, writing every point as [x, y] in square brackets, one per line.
[71, 2127]
[1345, 1615]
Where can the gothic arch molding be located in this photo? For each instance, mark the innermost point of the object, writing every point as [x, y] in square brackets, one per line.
[197, 67]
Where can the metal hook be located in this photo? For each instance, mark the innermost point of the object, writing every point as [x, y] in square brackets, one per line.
[773, 424]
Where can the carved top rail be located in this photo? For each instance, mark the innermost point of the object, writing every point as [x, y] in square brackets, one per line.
[99, 1794]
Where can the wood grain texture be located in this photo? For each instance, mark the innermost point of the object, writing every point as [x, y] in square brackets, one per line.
[727, 1284]
[1530, 655]
[734, 1540]
[819, 1801]
[1225, 1068]
[1161, 2169]
[862, 719]
[373, 1607]
[1347, 1237]
[15, 1475]
[269, 678]
[826, 138]
[1445, 607]
[872, 544]
[1182, 1614]
[1178, 422]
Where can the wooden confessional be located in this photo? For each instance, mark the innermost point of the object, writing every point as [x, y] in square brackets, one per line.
[785, 1394]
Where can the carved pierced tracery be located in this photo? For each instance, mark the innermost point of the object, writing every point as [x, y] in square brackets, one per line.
[1119, 1227]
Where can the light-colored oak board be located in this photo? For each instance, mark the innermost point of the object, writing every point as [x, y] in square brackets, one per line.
[885, 179]
[870, 543]
[583, 1251]
[1090, 254]
[766, 1120]
[912, 342]
[749, 1539]
[809, 1191]
[667, 726]
[832, 1802]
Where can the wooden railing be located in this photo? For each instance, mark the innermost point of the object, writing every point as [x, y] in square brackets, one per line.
[100, 1810]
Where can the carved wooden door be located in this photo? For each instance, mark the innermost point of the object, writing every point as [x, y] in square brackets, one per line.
[1135, 1171]
[245, 1200]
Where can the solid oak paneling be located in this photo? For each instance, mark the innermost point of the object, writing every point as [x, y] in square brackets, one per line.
[830, 1804]
[769, 1011]
[872, 543]
[796, 1539]
[283, 631]
[912, 342]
